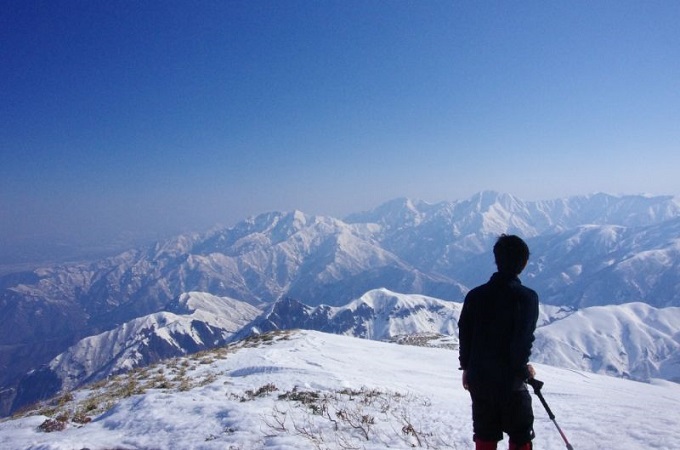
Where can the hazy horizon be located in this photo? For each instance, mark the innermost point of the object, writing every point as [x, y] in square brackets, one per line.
[43, 250]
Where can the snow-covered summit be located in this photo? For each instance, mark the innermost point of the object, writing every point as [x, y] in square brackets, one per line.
[310, 390]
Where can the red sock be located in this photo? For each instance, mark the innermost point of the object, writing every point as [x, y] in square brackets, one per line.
[485, 445]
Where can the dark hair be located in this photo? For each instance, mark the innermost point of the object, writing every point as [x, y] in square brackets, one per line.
[511, 253]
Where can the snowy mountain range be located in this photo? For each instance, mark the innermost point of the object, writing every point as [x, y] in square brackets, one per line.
[311, 390]
[634, 340]
[587, 251]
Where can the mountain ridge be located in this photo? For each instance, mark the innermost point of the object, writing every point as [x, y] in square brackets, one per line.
[635, 340]
[439, 250]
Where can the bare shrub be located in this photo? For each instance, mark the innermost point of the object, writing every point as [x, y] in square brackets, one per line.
[259, 392]
[81, 418]
[52, 425]
[349, 418]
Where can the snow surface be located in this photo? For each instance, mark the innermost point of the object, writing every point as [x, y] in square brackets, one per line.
[634, 340]
[413, 386]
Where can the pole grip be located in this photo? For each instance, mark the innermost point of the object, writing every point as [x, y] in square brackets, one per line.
[537, 385]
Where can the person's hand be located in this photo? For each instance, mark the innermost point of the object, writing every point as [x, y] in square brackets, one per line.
[465, 383]
[531, 371]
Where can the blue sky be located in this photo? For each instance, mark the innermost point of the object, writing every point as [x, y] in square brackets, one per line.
[134, 118]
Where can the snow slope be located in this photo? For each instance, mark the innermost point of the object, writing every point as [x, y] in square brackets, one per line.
[303, 390]
[198, 321]
[634, 340]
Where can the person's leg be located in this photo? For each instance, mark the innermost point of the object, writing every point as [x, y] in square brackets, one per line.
[486, 421]
[518, 420]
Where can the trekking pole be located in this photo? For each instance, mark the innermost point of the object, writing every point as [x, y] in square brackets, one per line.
[537, 385]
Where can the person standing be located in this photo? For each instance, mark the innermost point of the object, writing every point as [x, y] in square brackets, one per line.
[496, 332]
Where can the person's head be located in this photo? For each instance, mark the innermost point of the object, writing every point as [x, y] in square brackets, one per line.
[511, 254]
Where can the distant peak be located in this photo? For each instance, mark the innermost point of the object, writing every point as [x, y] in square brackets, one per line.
[483, 200]
[400, 210]
[494, 195]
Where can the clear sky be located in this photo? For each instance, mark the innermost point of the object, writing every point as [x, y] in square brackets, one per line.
[141, 117]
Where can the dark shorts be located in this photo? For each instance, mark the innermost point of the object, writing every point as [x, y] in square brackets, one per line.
[493, 415]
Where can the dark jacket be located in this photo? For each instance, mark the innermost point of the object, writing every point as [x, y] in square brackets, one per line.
[496, 332]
